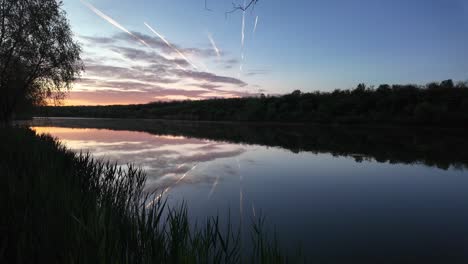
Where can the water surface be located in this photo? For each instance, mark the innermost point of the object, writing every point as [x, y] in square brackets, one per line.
[373, 194]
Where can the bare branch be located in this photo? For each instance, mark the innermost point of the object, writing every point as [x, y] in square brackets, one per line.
[206, 6]
[243, 8]
[236, 7]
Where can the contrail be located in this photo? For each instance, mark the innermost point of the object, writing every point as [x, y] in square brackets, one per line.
[113, 22]
[243, 30]
[242, 41]
[241, 197]
[213, 187]
[180, 67]
[169, 188]
[255, 26]
[170, 45]
[213, 43]
[185, 174]
[157, 197]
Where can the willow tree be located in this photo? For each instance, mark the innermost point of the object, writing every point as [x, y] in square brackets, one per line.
[38, 57]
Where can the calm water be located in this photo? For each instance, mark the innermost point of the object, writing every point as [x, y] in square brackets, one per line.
[383, 193]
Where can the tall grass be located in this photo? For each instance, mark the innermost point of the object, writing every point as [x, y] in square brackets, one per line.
[61, 207]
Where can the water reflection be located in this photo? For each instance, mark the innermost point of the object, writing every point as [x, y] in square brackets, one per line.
[375, 195]
[432, 147]
[167, 160]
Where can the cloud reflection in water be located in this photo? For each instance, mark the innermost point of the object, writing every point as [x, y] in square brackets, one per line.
[167, 160]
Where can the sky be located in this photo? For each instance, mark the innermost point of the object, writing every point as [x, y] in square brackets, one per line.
[140, 51]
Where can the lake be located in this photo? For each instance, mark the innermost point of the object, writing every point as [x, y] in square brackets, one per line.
[374, 194]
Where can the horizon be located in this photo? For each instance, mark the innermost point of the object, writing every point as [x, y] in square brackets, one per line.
[143, 51]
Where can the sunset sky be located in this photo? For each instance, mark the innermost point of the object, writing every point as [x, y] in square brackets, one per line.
[138, 51]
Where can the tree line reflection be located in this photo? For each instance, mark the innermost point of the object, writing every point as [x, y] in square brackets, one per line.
[442, 148]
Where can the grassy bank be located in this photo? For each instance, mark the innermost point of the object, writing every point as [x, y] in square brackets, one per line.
[60, 207]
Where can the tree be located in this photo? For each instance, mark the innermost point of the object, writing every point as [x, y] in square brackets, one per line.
[447, 84]
[38, 57]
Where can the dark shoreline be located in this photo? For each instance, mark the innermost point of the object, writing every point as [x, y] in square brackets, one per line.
[441, 148]
[442, 104]
[260, 123]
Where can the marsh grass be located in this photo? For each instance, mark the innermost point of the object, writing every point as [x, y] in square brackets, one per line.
[61, 207]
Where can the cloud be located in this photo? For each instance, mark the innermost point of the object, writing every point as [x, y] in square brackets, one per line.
[107, 72]
[157, 69]
[210, 77]
[153, 42]
[208, 156]
[112, 21]
[98, 40]
[172, 46]
[147, 56]
[140, 74]
[138, 93]
[230, 63]
[256, 72]
[119, 85]
[207, 86]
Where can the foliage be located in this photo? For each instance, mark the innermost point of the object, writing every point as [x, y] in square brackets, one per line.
[38, 57]
[60, 207]
[442, 148]
[444, 104]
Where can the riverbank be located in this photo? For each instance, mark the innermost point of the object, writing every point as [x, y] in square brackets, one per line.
[68, 208]
[440, 147]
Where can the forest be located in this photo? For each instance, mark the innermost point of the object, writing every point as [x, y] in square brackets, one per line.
[443, 104]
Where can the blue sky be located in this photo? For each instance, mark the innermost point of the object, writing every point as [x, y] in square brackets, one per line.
[304, 44]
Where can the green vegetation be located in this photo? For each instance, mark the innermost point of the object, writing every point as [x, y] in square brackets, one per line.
[60, 207]
[38, 57]
[438, 147]
[436, 104]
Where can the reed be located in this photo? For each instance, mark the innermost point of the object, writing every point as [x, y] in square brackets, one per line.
[61, 207]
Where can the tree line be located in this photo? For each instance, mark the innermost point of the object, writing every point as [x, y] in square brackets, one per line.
[435, 104]
[434, 147]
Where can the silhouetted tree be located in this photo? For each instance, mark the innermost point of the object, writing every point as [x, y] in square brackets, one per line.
[296, 93]
[38, 57]
[447, 84]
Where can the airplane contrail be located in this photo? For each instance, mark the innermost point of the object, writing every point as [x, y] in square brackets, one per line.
[255, 26]
[170, 45]
[180, 67]
[243, 30]
[213, 187]
[170, 187]
[157, 197]
[213, 43]
[241, 196]
[242, 41]
[113, 22]
[185, 174]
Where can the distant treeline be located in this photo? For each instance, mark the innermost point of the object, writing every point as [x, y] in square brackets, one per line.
[434, 104]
